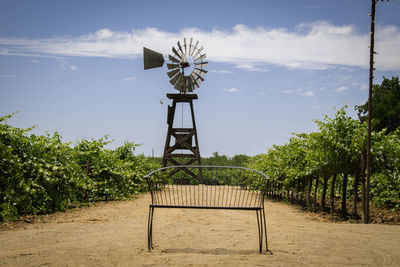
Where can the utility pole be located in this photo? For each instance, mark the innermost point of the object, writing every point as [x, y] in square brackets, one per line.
[371, 78]
[365, 214]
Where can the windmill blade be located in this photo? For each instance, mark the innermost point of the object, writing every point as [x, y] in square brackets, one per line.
[199, 51]
[172, 73]
[201, 64]
[200, 58]
[172, 66]
[186, 88]
[200, 71]
[194, 82]
[180, 49]
[198, 78]
[190, 45]
[180, 85]
[194, 49]
[176, 53]
[189, 84]
[184, 44]
[198, 81]
[176, 79]
[174, 59]
[184, 85]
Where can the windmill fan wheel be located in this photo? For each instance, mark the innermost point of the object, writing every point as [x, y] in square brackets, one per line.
[187, 66]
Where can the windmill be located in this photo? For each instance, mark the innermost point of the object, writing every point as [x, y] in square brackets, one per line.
[186, 67]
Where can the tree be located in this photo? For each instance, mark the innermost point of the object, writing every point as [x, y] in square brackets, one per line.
[385, 106]
[222, 160]
[240, 160]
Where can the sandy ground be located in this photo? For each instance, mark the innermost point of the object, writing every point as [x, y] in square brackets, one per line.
[115, 234]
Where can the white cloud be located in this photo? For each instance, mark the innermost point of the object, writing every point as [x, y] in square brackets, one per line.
[130, 78]
[73, 67]
[232, 90]
[317, 45]
[341, 89]
[287, 91]
[221, 71]
[34, 61]
[308, 93]
[250, 67]
[7, 76]
[104, 34]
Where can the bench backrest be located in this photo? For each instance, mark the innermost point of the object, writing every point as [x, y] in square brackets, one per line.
[207, 186]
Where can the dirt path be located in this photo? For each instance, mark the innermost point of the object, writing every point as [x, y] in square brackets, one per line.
[114, 234]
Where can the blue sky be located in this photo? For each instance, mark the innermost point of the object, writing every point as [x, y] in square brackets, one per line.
[76, 67]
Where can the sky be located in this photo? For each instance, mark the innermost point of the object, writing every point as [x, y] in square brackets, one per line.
[76, 67]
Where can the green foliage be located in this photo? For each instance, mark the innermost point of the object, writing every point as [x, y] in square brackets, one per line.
[385, 106]
[385, 182]
[215, 160]
[335, 149]
[41, 174]
[222, 160]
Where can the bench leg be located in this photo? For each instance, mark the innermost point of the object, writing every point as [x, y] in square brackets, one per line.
[265, 230]
[150, 228]
[262, 230]
[259, 225]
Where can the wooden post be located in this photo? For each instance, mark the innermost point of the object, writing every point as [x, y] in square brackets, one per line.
[355, 193]
[363, 197]
[332, 196]
[315, 193]
[324, 188]
[309, 191]
[87, 174]
[344, 196]
[371, 78]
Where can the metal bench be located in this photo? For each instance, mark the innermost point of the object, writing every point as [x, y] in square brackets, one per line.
[208, 187]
